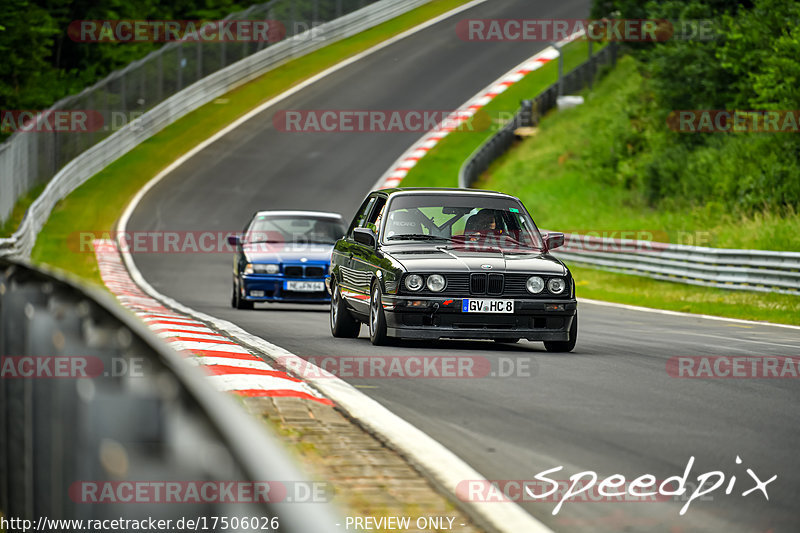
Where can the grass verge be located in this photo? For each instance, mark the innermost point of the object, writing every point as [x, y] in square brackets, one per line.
[96, 205]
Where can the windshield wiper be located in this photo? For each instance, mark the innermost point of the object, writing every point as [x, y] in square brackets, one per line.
[417, 237]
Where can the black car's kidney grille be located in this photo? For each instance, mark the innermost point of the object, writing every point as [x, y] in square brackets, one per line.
[495, 284]
[293, 271]
[477, 284]
[315, 272]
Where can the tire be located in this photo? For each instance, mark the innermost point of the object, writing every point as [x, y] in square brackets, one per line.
[343, 325]
[237, 302]
[564, 346]
[506, 341]
[377, 318]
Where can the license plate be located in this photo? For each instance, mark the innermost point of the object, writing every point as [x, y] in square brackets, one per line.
[303, 286]
[487, 306]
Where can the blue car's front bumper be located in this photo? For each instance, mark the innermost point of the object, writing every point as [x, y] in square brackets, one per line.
[272, 289]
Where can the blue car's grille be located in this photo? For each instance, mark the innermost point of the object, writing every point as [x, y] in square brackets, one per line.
[293, 271]
[315, 272]
[298, 271]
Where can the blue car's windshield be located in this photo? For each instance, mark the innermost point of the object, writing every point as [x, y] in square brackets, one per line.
[294, 229]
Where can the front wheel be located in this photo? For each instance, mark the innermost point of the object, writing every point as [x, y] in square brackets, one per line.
[377, 318]
[237, 301]
[343, 325]
[564, 346]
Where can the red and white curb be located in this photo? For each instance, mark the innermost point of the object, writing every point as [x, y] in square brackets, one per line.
[230, 366]
[418, 150]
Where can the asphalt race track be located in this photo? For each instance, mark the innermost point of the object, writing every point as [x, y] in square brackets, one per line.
[609, 407]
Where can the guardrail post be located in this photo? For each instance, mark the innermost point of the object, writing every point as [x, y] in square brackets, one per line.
[526, 113]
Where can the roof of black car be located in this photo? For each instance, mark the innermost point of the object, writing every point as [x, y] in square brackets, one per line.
[443, 190]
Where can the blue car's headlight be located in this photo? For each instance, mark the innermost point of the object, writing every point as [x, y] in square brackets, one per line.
[262, 268]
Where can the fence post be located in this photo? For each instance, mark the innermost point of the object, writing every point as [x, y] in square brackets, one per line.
[560, 69]
[180, 65]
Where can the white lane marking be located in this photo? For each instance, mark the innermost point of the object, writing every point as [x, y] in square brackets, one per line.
[679, 313]
[442, 466]
[736, 339]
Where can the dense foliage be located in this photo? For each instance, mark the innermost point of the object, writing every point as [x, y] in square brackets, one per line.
[42, 64]
[751, 63]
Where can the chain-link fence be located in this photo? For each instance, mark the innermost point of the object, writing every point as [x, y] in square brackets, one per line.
[31, 158]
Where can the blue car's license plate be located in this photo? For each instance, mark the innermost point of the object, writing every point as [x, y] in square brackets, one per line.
[487, 306]
[303, 286]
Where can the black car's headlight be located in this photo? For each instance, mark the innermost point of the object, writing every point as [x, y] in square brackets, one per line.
[535, 284]
[556, 285]
[414, 282]
[262, 268]
[436, 282]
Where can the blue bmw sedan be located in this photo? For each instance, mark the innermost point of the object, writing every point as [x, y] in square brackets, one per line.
[284, 256]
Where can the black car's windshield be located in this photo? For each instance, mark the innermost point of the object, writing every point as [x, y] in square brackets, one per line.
[461, 220]
[298, 229]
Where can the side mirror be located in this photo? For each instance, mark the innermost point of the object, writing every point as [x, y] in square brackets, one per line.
[553, 240]
[234, 240]
[365, 236]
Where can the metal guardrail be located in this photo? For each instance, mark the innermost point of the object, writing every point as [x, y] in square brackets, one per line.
[147, 415]
[755, 270]
[30, 157]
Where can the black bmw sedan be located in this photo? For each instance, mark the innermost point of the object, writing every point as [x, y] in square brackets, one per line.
[450, 263]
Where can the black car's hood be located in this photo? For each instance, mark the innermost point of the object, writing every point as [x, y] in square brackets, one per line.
[448, 259]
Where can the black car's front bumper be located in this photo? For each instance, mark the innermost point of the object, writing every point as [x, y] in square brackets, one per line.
[411, 317]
